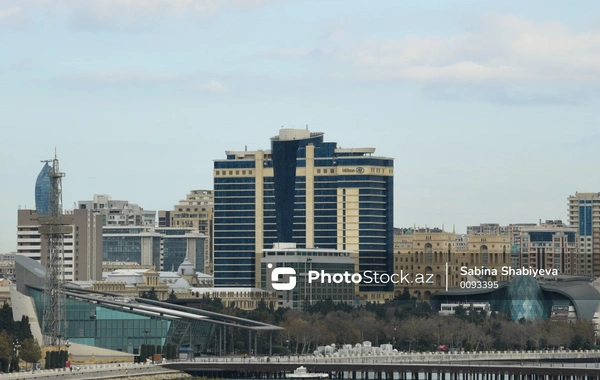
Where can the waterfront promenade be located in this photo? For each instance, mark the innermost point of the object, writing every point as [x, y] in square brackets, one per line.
[511, 365]
[432, 366]
[99, 371]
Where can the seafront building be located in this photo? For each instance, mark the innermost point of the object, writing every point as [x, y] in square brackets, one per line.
[561, 297]
[118, 213]
[304, 260]
[584, 215]
[104, 325]
[82, 246]
[304, 191]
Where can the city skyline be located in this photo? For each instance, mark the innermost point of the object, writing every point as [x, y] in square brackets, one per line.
[487, 109]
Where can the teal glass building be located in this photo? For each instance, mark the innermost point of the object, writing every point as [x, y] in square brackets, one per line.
[123, 324]
[531, 298]
[109, 325]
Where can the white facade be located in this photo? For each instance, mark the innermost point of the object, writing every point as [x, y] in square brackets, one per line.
[119, 213]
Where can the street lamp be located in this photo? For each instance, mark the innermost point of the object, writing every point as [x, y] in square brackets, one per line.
[394, 337]
[16, 346]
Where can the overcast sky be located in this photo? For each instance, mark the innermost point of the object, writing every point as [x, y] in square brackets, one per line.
[490, 108]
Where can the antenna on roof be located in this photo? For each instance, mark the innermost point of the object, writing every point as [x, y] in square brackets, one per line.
[307, 127]
[246, 148]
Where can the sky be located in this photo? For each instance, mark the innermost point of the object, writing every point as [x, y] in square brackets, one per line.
[489, 108]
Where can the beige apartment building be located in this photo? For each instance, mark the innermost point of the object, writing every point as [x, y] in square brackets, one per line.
[196, 211]
[426, 252]
[584, 216]
[551, 245]
[82, 246]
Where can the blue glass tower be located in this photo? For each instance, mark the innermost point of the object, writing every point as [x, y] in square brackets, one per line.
[304, 191]
[42, 191]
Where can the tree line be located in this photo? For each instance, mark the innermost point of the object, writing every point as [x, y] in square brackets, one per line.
[405, 323]
[16, 341]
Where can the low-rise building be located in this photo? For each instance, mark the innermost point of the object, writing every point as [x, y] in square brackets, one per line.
[320, 261]
[238, 297]
[428, 260]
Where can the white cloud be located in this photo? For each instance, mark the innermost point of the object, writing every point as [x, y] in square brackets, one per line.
[498, 49]
[10, 16]
[127, 14]
[212, 86]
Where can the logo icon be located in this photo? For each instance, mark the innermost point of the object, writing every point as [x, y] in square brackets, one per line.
[360, 170]
[282, 271]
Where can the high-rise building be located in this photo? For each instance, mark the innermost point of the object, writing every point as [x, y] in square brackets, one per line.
[82, 246]
[118, 213]
[196, 211]
[584, 215]
[42, 190]
[304, 191]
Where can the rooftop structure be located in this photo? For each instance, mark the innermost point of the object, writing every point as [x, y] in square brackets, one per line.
[118, 213]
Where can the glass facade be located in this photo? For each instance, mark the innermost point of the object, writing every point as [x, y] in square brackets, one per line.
[281, 207]
[234, 229]
[122, 248]
[585, 218]
[116, 329]
[174, 252]
[167, 247]
[525, 299]
[306, 292]
[42, 191]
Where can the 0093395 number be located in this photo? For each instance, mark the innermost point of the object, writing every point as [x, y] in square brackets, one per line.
[479, 284]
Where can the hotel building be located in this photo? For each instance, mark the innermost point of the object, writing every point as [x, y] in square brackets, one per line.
[304, 191]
